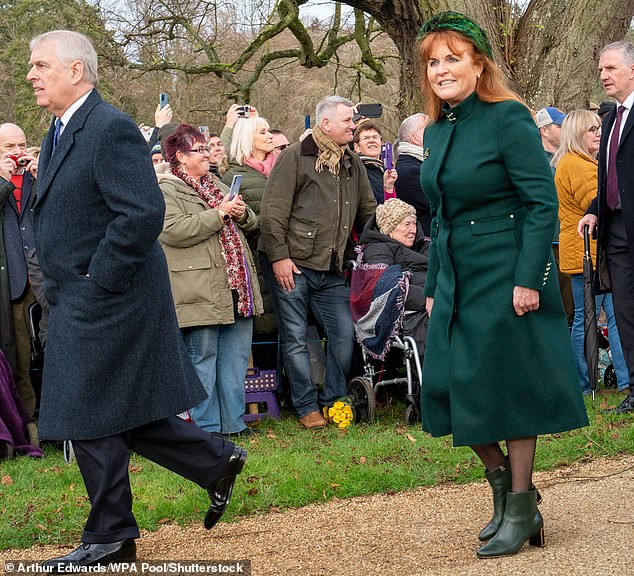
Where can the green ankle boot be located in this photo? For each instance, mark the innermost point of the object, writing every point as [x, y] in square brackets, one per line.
[500, 480]
[522, 521]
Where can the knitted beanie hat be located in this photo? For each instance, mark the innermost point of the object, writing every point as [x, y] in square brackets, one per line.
[391, 213]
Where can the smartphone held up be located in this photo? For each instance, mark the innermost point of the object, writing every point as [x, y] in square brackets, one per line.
[367, 111]
[235, 186]
[387, 156]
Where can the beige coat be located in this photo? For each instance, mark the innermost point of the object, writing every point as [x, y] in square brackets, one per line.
[197, 270]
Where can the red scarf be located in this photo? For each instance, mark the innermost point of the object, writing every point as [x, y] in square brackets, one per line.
[232, 250]
[265, 166]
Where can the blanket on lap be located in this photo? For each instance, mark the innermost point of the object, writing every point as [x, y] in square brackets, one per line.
[377, 303]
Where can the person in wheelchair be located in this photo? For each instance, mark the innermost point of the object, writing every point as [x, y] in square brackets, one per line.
[386, 296]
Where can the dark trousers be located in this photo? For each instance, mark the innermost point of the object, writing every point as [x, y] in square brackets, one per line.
[622, 278]
[20, 309]
[177, 445]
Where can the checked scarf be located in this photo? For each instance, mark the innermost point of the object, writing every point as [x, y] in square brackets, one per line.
[377, 303]
[330, 153]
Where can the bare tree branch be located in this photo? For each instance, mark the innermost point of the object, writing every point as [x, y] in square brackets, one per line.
[165, 22]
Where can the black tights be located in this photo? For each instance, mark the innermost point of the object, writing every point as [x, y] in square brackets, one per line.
[521, 455]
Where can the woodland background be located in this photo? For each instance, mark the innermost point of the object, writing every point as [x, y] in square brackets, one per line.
[208, 54]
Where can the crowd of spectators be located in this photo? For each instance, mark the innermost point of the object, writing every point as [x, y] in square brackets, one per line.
[240, 268]
[154, 303]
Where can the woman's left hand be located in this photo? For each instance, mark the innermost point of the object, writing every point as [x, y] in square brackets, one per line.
[389, 178]
[238, 208]
[525, 300]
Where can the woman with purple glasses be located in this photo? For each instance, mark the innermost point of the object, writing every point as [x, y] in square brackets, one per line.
[214, 283]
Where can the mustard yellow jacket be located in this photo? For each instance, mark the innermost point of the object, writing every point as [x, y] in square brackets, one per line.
[576, 181]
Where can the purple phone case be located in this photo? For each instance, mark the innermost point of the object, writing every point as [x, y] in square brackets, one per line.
[386, 153]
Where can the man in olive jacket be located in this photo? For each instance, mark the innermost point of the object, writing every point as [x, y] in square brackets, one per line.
[317, 192]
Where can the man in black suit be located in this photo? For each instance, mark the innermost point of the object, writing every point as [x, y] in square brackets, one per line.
[410, 158]
[116, 370]
[613, 208]
[16, 240]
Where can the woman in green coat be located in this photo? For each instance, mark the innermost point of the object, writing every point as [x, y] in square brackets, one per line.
[498, 364]
[253, 155]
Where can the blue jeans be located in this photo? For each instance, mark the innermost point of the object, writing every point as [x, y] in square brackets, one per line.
[577, 336]
[220, 355]
[328, 297]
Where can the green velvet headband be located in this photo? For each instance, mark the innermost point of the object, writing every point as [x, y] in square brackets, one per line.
[458, 23]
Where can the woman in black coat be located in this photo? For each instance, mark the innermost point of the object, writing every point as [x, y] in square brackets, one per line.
[392, 236]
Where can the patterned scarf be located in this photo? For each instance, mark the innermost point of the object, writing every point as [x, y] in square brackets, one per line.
[232, 250]
[330, 153]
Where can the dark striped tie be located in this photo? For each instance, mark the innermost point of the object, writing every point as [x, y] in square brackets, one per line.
[612, 184]
[58, 131]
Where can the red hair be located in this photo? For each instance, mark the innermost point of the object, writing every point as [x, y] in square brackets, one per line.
[491, 86]
[181, 140]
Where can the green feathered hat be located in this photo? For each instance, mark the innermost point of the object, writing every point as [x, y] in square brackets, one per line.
[461, 24]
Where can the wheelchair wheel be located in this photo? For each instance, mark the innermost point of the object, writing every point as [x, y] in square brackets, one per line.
[69, 452]
[361, 393]
[609, 377]
[411, 415]
[6, 450]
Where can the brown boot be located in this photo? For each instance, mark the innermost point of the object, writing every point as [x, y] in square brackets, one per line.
[313, 420]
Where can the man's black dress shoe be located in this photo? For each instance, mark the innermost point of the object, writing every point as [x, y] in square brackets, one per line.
[244, 433]
[220, 491]
[626, 406]
[94, 555]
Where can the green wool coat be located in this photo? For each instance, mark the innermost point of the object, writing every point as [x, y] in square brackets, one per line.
[252, 190]
[489, 374]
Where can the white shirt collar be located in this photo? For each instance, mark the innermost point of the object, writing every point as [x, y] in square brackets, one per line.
[629, 101]
[72, 109]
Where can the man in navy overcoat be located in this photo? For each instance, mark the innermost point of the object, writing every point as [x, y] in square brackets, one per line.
[116, 371]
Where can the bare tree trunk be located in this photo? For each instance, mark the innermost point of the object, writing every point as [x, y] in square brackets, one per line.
[558, 44]
[401, 19]
[409, 95]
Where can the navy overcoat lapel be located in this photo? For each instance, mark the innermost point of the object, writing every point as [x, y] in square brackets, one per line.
[627, 128]
[52, 163]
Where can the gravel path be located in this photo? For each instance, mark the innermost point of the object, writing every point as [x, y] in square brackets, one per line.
[589, 523]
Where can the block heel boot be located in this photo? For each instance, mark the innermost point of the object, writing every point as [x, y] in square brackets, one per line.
[500, 481]
[521, 522]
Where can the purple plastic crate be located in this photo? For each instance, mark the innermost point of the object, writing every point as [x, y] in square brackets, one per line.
[258, 380]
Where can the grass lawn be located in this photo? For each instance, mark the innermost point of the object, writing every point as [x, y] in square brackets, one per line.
[43, 501]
